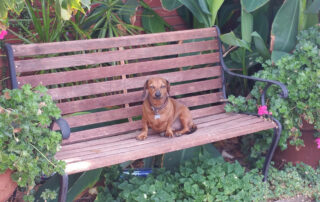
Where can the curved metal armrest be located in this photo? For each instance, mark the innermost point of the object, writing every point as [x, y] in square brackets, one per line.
[284, 89]
[64, 127]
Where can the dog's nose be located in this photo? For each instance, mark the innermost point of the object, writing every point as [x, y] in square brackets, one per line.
[158, 94]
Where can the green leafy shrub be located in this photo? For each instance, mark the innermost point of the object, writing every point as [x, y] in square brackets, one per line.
[27, 144]
[210, 179]
[300, 72]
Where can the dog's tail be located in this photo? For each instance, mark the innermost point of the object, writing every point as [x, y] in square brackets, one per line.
[193, 128]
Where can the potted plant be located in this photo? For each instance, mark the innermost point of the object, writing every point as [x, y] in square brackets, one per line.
[300, 72]
[27, 144]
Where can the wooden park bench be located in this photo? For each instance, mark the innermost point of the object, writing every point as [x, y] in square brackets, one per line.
[98, 85]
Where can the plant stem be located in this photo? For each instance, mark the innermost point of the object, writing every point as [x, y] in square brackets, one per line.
[42, 154]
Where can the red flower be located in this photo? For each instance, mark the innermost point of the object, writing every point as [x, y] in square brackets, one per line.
[318, 142]
[262, 110]
[3, 33]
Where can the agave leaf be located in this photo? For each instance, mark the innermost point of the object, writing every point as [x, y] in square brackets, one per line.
[170, 5]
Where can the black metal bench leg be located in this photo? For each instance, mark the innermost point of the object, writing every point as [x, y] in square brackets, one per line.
[63, 188]
[275, 140]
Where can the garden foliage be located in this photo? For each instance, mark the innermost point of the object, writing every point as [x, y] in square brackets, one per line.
[210, 179]
[300, 72]
[27, 144]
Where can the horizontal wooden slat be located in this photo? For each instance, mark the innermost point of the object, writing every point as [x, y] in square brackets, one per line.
[130, 126]
[67, 149]
[81, 45]
[117, 138]
[110, 71]
[112, 56]
[122, 113]
[84, 151]
[120, 99]
[130, 83]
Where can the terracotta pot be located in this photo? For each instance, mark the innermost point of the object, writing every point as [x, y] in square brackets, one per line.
[309, 154]
[7, 185]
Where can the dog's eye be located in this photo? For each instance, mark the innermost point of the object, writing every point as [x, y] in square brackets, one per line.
[163, 86]
[152, 87]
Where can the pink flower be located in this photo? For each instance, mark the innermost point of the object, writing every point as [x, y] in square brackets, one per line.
[3, 33]
[318, 142]
[262, 110]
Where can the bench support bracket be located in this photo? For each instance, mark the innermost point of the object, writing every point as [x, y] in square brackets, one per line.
[275, 140]
[63, 188]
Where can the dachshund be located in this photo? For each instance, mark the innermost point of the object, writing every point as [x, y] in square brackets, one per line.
[162, 113]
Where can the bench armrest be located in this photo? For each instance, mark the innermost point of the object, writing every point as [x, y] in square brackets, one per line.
[284, 89]
[64, 127]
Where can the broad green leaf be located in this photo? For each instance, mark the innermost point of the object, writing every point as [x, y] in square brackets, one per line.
[204, 7]
[214, 6]
[285, 26]
[170, 5]
[231, 39]
[151, 22]
[259, 25]
[253, 5]
[197, 12]
[260, 45]
[86, 180]
[246, 26]
[276, 55]
[314, 7]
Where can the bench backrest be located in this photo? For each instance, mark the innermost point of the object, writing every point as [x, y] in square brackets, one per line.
[98, 83]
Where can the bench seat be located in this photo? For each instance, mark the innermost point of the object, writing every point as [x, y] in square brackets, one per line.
[115, 149]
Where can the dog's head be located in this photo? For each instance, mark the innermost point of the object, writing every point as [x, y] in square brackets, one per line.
[157, 88]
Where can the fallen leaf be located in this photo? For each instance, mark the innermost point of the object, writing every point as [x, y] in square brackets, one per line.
[7, 95]
[17, 130]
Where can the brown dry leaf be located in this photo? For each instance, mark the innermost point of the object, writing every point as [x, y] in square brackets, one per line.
[17, 130]
[7, 95]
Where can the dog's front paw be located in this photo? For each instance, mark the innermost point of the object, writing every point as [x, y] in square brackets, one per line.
[142, 136]
[177, 133]
[169, 134]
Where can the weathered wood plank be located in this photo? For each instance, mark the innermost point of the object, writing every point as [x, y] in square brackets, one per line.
[113, 130]
[123, 113]
[130, 83]
[111, 71]
[125, 41]
[111, 56]
[119, 140]
[120, 99]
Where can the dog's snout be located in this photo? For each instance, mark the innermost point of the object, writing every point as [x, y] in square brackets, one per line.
[158, 93]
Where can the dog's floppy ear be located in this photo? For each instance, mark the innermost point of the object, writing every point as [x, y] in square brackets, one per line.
[145, 93]
[168, 87]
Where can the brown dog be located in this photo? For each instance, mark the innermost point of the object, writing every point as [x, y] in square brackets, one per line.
[162, 113]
